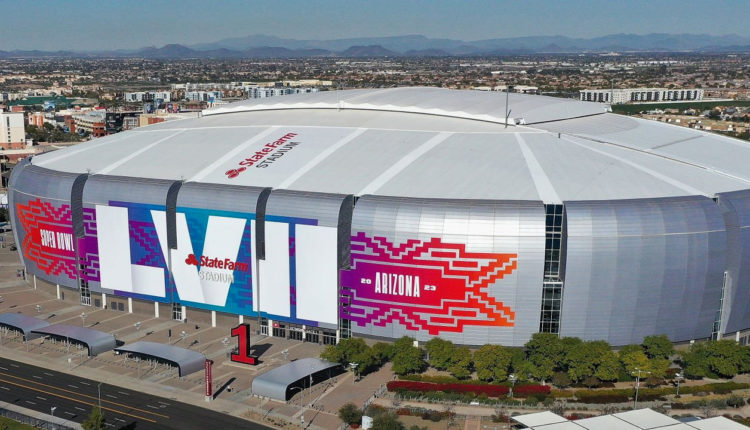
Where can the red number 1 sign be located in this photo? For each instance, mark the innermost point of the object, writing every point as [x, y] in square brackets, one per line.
[242, 332]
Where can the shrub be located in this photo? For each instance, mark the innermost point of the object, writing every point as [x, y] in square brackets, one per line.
[735, 401]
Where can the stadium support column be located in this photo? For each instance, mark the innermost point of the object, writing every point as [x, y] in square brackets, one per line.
[130, 305]
[34, 280]
[104, 301]
[241, 319]
[213, 318]
[58, 291]
[156, 309]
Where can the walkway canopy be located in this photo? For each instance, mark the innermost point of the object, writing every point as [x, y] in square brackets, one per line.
[96, 341]
[22, 323]
[186, 360]
[279, 382]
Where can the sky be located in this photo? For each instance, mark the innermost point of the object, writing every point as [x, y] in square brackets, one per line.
[116, 24]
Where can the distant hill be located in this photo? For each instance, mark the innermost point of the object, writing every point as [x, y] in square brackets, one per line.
[415, 45]
[367, 51]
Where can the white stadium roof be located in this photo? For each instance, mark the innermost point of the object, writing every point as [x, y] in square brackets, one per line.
[424, 142]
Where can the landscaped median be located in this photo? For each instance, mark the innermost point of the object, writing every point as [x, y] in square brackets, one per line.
[489, 390]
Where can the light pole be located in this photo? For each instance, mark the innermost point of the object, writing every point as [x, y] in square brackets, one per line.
[298, 388]
[52, 412]
[38, 308]
[100, 397]
[83, 318]
[354, 369]
[512, 378]
[637, 384]
[678, 376]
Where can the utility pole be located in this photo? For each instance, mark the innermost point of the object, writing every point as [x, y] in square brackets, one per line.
[637, 384]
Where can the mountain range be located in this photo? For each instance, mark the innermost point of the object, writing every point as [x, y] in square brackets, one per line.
[264, 46]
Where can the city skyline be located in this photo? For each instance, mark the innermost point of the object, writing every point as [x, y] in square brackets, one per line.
[88, 25]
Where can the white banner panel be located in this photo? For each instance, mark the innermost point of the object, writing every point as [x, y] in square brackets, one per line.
[317, 273]
[114, 248]
[274, 271]
[148, 280]
[254, 260]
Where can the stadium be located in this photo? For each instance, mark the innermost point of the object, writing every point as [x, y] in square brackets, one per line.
[408, 211]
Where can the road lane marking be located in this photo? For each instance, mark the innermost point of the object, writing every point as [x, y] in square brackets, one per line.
[153, 407]
[80, 409]
[118, 419]
[36, 377]
[84, 383]
[5, 388]
[109, 395]
[30, 402]
[85, 403]
[124, 394]
[41, 398]
[162, 403]
[70, 413]
[4, 368]
[14, 365]
[72, 386]
[130, 407]
[48, 374]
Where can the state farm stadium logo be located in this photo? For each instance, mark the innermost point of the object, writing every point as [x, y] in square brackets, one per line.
[265, 156]
[424, 285]
[204, 262]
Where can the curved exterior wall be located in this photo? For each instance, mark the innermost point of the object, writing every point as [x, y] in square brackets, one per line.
[641, 267]
[43, 223]
[736, 209]
[468, 271]
[632, 267]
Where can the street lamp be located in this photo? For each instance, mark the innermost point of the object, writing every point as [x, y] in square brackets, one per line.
[137, 326]
[100, 397]
[354, 369]
[678, 377]
[38, 308]
[83, 318]
[300, 397]
[637, 384]
[512, 378]
[285, 354]
[52, 412]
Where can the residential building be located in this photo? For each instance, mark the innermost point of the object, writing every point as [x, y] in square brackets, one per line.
[628, 95]
[12, 132]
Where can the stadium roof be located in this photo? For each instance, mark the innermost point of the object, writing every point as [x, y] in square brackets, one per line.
[423, 143]
[186, 360]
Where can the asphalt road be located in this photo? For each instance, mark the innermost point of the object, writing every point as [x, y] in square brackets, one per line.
[73, 397]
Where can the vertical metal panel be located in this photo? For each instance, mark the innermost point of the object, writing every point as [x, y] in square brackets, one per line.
[318, 210]
[171, 208]
[43, 197]
[735, 207]
[426, 238]
[76, 204]
[15, 175]
[641, 267]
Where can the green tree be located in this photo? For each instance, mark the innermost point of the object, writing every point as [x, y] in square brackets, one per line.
[544, 352]
[345, 351]
[492, 363]
[350, 414]
[402, 343]
[722, 358]
[461, 363]
[657, 346]
[568, 344]
[95, 420]
[609, 367]
[408, 360]
[383, 351]
[632, 359]
[440, 352]
[387, 421]
[584, 360]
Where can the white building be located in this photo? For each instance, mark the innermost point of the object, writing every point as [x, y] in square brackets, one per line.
[202, 96]
[627, 95]
[148, 96]
[12, 133]
[256, 92]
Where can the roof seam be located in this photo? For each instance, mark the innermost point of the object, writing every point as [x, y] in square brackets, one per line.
[544, 188]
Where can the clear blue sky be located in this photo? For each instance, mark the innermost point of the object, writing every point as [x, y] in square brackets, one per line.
[112, 24]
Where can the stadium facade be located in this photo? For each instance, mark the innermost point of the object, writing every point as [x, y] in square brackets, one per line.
[410, 211]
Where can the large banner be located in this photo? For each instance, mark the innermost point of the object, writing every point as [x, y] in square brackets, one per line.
[430, 285]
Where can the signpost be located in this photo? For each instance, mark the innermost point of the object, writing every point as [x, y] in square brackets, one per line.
[209, 381]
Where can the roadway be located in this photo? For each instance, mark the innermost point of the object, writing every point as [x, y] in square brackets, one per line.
[74, 397]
